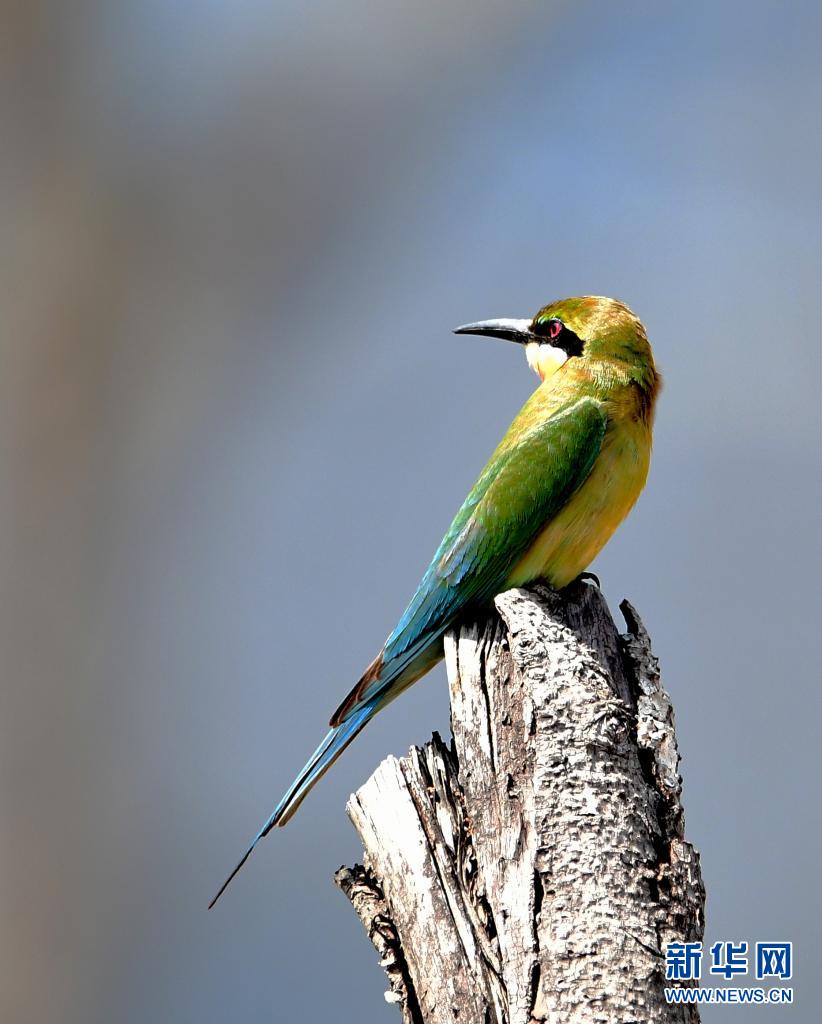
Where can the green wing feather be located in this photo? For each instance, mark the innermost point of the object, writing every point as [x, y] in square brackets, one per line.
[528, 479]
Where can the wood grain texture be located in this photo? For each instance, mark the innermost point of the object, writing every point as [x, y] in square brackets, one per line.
[534, 869]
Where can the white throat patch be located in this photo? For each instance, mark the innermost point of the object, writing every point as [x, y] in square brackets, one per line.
[544, 359]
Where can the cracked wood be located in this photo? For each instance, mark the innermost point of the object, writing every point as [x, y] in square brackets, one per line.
[534, 869]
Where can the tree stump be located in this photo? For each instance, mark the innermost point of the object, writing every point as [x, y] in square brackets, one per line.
[534, 869]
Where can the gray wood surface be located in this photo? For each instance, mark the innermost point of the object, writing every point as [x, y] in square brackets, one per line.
[534, 869]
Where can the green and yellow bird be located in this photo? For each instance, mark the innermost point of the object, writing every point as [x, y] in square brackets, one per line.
[563, 478]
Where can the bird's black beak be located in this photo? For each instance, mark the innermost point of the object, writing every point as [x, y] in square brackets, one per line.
[509, 330]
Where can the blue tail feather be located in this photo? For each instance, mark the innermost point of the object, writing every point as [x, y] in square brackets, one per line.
[335, 742]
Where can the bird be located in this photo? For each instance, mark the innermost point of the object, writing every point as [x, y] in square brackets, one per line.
[565, 475]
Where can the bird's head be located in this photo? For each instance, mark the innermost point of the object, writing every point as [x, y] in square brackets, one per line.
[591, 329]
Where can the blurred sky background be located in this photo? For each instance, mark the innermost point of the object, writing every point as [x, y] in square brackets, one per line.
[235, 238]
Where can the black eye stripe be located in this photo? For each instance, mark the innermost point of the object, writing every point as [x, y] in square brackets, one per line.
[557, 334]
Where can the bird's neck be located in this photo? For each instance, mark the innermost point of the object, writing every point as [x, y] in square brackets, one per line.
[630, 390]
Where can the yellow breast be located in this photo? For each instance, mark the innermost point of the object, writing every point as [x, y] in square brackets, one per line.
[574, 537]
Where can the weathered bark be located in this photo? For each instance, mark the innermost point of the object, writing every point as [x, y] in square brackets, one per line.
[535, 869]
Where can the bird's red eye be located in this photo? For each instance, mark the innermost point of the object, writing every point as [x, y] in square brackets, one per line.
[554, 329]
